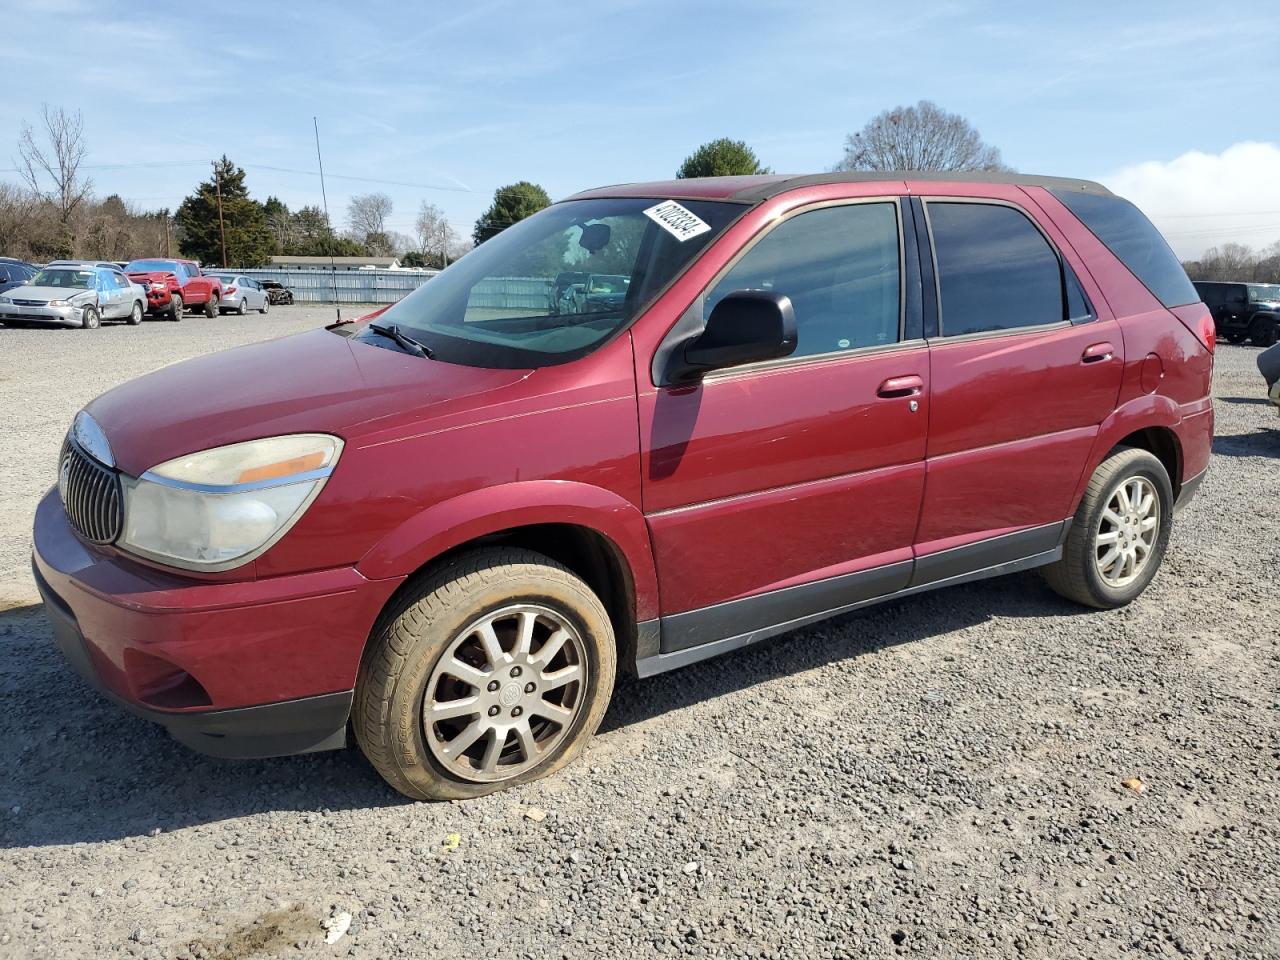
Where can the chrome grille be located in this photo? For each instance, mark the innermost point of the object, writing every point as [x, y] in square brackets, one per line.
[30, 303]
[90, 494]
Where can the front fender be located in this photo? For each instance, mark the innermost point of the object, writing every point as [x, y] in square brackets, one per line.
[493, 509]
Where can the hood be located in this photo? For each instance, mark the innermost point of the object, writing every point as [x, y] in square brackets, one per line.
[152, 275]
[317, 382]
[28, 292]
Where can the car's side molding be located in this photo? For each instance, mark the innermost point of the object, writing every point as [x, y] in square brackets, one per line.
[699, 634]
[478, 513]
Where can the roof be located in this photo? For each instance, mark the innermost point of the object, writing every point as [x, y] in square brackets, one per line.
[755, 189]
[337, 261]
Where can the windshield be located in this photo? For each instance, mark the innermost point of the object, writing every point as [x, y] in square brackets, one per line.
[1264, 292]
[152, 266]
[222, 277]
[555, 286]
[74, 279]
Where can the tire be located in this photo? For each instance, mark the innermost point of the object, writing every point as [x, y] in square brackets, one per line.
[1079, 574]
[404, 668]
[90, 319]
[243, 309]
[135, 315]
[1234, 337]
[288, 300]
[1264, 332]
[176, 306]
[266, 305]
[211, 306]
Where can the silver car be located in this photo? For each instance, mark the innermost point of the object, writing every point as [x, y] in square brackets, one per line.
[240, 294]
[74, 295]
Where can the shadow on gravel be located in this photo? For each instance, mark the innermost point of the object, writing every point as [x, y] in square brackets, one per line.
[81, 770]
[1259, 443]
[856, 634]
[1255, 401]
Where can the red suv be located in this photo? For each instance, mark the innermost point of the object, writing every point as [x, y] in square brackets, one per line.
[446, 528]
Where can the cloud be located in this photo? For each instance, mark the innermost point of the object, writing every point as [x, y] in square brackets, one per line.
[1200, 200]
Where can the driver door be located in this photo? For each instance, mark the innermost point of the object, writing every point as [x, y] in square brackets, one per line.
[782, 489]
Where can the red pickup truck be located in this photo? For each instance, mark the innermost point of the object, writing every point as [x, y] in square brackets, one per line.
[175, 285]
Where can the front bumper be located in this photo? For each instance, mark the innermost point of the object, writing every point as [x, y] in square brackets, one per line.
[60, 316]
[253, 668]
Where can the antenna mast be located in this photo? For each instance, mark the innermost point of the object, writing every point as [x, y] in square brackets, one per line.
[333, 270]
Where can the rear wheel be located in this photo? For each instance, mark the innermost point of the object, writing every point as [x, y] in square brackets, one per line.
[135, 315]
[1119, 533]
[176, 306]
[1234, 336]
[494, 671]
[211, 306]
[243, 308]
[90, 319]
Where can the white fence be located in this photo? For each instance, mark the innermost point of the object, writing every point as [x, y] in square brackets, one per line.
[344, 286]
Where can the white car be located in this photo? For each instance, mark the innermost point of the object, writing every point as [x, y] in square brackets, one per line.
[72, 294]
[240, 294]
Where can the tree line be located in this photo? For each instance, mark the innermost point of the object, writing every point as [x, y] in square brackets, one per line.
[53, 212]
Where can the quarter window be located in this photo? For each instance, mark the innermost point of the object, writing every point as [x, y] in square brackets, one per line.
[996, 271]
[839, 266]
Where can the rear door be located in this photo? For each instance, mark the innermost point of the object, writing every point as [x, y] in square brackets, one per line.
[794, 485]
[1025, 366]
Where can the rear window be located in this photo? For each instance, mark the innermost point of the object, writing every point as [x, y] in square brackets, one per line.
[1138, 244]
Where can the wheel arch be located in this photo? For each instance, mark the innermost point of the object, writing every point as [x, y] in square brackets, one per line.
[597, 534]
[1150, 422]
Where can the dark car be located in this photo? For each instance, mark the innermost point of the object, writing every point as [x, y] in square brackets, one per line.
[14, 272]
[1243, 310]
[277, 292]
[446, 528]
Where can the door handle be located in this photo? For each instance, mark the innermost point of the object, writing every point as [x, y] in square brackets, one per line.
[1097, 353]
[899, 387]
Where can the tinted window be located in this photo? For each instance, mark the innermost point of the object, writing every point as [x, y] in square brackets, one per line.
[839, 266]
[4, 273]
[1138, 244]
[995, 269]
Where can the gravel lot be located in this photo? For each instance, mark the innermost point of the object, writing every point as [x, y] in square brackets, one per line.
[939, 777]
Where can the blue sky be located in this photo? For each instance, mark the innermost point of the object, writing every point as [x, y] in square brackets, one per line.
[465, 97]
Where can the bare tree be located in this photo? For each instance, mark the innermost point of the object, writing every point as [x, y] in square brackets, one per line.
[52, 169]
[435, 235]
[17, 210]
[367, 217]
[923, 137]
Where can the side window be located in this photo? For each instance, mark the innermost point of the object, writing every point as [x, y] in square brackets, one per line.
[4, 273]
[840, 268]
[995, 269]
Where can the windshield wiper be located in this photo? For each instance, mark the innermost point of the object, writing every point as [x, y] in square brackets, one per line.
[403, 340]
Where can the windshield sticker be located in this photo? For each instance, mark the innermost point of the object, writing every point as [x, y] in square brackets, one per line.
[676, 220]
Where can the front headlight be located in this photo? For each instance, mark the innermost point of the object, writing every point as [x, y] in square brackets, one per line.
[156, 285]
[59, 303]
[220, 508]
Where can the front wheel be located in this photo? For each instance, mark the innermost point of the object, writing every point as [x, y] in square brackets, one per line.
[90, 319]
[1119, 534]
[176, 306]
[266, 305]
[493, 671]
[1264, 333]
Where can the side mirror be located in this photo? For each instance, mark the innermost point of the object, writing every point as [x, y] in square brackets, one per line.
[746, 326]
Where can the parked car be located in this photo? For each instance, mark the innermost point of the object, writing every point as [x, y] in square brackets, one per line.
[176, 285]
[1269, 367]
[1243, 310]
[73, 296]
[277, 291]
[240, 294]
[581, 293]
[15, 272]
[448, 528]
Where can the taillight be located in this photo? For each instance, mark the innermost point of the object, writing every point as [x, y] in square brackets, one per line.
[1208, 333]
[230, 290]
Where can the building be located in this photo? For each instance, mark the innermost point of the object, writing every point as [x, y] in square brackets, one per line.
[336, 263]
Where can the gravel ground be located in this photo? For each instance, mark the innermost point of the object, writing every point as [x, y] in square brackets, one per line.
[939, 777]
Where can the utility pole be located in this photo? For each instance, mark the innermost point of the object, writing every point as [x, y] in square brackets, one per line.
[166, 234]
[222, 230]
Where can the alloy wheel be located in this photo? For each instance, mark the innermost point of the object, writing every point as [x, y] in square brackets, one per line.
[1127, 532]
[505, 693]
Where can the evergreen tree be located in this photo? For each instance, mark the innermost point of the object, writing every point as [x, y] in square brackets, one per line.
[249, 239]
